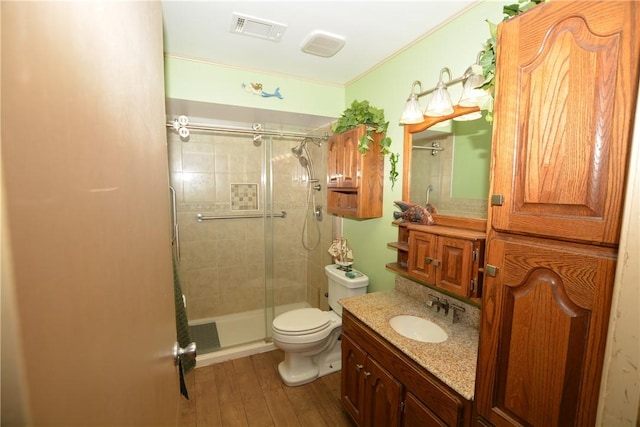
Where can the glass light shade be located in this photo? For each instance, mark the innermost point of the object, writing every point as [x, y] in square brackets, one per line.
[442, 125]
[412, 112]
[468, 117]
[440, 103]
[471, 92]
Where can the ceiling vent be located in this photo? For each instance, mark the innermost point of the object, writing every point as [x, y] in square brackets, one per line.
[323, 44]
[256, 27]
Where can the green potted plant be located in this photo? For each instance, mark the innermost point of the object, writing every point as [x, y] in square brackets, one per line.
[363, 113]
[488, 59]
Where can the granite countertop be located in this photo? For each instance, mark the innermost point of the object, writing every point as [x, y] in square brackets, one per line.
[452, 361]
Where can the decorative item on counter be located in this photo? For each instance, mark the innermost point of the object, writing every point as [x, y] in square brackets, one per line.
[414, 213]
[341, 253]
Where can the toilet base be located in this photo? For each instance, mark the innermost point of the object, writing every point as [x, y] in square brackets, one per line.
[297, 370]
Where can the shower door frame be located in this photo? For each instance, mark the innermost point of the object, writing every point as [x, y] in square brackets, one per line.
[266, 141]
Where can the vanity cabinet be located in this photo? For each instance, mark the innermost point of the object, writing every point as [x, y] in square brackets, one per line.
[566, 91]
[381, 386]
[371, 395]
[354, 181]
[446, 257]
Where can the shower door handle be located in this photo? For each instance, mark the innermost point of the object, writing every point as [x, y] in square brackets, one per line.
[189, 352]
[175, 237]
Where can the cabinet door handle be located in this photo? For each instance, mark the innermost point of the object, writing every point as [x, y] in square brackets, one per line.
[359, 367]
[428, 259]
[367, 374]
[491, 270]
[436, 262]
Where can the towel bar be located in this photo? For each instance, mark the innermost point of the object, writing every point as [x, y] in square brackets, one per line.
[201, 217]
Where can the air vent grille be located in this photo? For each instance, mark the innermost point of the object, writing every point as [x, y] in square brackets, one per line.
[323, 44]
[256, 27]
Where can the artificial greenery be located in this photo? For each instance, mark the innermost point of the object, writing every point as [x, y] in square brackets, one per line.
[393, 173]
[488, 59]
[363, 113]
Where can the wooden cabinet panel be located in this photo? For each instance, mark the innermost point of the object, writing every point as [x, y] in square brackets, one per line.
[422, 253]
[352, 384]
[344, 160]
[354, 181]
[547, 313]
[383, 396]
[370, 394]
[418, 414]
[564, 105]
[456, 259]
[447, 258]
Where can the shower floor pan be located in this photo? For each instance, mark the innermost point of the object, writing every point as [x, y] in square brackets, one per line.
[232, 336]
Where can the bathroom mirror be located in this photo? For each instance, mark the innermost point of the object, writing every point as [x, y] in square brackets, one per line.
[446, 164]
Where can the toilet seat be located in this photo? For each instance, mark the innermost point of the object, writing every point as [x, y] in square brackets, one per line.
[303, 321]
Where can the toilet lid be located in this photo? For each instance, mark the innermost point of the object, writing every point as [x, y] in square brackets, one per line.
[301, 321]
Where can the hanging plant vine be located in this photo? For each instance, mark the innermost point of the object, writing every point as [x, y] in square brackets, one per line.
[488, 58]
[363, 113]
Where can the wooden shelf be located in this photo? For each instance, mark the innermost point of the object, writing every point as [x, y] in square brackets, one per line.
[401, 246]
[397, 267]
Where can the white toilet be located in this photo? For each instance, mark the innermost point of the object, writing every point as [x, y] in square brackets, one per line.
[309, 337]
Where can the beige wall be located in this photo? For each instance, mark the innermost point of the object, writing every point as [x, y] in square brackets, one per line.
[620, 389]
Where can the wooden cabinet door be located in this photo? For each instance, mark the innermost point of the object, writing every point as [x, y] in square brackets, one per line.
[422, 256]
[542, 338]
[344, 159]
[454, 270]
[417, 413]
[334, 161]
[352, 386]
[383, 394]
[565, 96]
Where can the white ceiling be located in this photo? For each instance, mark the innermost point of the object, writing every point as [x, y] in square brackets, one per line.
[374, 32]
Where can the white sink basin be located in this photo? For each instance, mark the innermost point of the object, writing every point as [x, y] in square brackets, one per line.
[417, 328]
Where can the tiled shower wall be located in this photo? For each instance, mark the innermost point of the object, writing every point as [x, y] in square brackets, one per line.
[222, 267]
[437, 171]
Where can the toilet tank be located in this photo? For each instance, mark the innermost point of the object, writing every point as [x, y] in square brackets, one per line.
[341, 286]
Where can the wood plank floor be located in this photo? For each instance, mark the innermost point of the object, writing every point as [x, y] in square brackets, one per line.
[249, 392]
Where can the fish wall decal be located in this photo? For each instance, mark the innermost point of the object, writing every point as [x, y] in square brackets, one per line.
[256, 89]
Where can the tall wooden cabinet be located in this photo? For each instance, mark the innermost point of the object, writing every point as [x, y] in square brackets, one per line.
[566, 83]
[354, 181]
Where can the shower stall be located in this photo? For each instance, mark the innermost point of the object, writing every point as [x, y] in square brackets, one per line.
[249, 232]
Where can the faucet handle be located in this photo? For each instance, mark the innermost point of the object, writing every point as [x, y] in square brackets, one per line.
[444, 304]
[457, 309]
[432, 299]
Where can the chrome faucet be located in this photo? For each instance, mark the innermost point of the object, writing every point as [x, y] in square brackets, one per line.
[439, 303]
[442, 304]
[428, 191]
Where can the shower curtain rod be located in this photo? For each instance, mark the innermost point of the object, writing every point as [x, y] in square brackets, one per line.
[254, 131]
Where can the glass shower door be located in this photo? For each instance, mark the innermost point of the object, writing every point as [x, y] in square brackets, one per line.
[222, 203]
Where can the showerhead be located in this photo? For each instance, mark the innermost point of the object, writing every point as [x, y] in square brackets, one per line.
[303, 161]
[298, 149]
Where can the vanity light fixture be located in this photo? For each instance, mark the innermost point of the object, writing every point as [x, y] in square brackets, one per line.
[440, 102]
